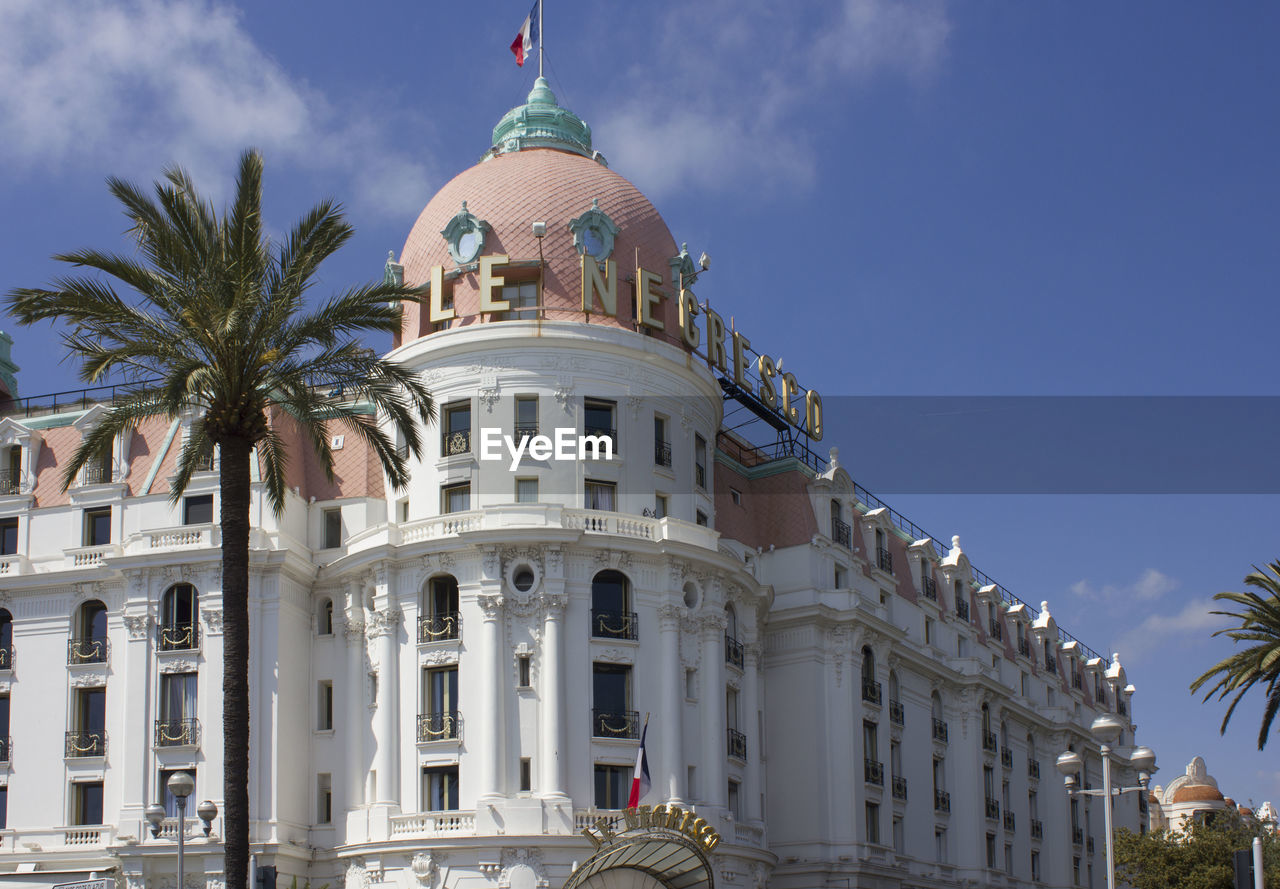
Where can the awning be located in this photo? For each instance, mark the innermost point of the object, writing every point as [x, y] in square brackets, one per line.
[670, 859]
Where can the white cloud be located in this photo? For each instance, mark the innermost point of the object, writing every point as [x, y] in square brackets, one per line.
[1166, 632]
[729, 79]
[1150, 586]
[131, 85]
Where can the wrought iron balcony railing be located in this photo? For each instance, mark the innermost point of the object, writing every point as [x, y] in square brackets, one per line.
[86, 744]
[178, 637]
[732, 651]
[899, 788]
[6, 658]
[700, 475]
[929, 587]
[884, 559]
[897, 715]
[1076, 681]
[177, 732]
[873, 772]
[1010, 823]
[871, 691]
[603, 432]
[737, 744]
[10, 482]
[993, 809]
[445, 725]
[614, 624]
[1033, 769]
[440, 626]
[1077, 836]
[662, 453]
[623, 724]
[95, 475]
[990, 742]
[1050, 663]
[941, 801]
[87, 651]
[939, 730]
[204, 463]
[962, 609]
[1006, 758]
[1037, 829]
[841, 533]
[1024, 647]
[997, 630]
[456, 443]
[525, 431]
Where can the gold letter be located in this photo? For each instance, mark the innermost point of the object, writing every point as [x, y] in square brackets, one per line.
[768, 394]
[586, 832]
[813, 414]
[632, 819]
[438, 311]
[647, 298]
[790, 389]
[488, 281]
[709, 839]
[740, 346]
[715, 341]
[673, 816]
[606, 288]
[689, 308]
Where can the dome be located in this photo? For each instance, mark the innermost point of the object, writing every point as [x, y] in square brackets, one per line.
[1195, 793]
[554, 182]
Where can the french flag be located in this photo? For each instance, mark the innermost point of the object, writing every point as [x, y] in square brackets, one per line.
[522, 46]
[640, 782]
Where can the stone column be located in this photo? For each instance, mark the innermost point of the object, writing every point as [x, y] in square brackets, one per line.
[751, 701]
[137, 739]
[671, 776]
[356, 767]
[554, 765]
[384, 629]
[714, 735]
[492, 658]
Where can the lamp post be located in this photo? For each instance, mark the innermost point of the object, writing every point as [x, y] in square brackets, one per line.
[181, 784]
[1107, 728]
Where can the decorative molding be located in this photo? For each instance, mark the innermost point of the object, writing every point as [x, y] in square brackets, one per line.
[179, 665]
[669, 617]
[522, 869]
[492, 604]
[489, 393]
[564, 394]
[92, 679]
[213, 620]
[440, 657]
[357, 877]
[425, 867]
[137, 625]
[384, 623]
[614, 656]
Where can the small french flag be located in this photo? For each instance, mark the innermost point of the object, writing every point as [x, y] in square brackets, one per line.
[522, 46]
[640, 782]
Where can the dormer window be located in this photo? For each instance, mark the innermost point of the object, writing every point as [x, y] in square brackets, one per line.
[11, 481]
[19, 455]
[111, 462]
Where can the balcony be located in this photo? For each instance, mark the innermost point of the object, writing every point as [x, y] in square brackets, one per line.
[614, 624]
[87, 651]
[525, 431]
[662, 453]
[841, 534]
[616, 724]
[732, 651]
[603, 432]
[884, 559]
[896, 713]
[6, 744]
[939, 730]
[1009, 822]
[1024, 648]
[989, 742]
[941, 801]
[962, 609]
[204, 463]
[456, 443]
[929, 587]
[1037, 829]
[1077, 682]
[439, 627]
[445, 725]
[86, 744]
[737, 744]
[871, 692]
[1033, 769]
[177, 733]
[178, 637]
[997, 630]
[10, 482]
[433, 824]
[899, 788]
[873, 772]
[1006, 758]
[993, 809]
[6, 658]
[1051, 663]
[95, 475]
[1077, 836]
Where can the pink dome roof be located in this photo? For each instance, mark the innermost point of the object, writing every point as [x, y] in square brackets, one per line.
[512, 191]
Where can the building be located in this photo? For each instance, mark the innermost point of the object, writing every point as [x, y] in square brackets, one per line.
[450, 682]
[1195, 796]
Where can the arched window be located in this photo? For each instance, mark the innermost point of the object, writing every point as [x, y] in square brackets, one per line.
[896, 714]
[839, 530]
[989, 740]
[89, 643]
[732, 647]
[939, 724]
[870, 688]
[324, 617]
[731, 621]
[611, 614]
[439, 618]
[6, 640]
[962, 602]
[179, 629]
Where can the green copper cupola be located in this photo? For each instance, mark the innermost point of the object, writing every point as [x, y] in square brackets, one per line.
[542, 123]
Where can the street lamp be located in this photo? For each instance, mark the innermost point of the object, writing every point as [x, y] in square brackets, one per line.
[181, 784]
[1106, 728]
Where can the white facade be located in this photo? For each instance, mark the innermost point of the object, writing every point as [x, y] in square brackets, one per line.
[809, 687]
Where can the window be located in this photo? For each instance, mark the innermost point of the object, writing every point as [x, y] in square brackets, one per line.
[523, 298]
[839, 580]
[440, 788]
[4, 806]
[440, 690]
[4, 728]
[700, 461]
[597, 418]
[1008, 859]
[526, 417]
[86, 802]
[700, 518]
[736, 496]
[991, 850]
[613, 785]
[324, 625]
[456, 429]
[6, 640]
[899, 839]
[523, 679]
[1035, 865]
[526, 774]
[611, 615]
[324, 798]
[661, 444]
[11, 481]
[455, 498]
[526, 490]
[89, 646]
[178, 626]
[197, 510]
[928, 631]
[940, 844]
[8, 536]
[169, 801]
[324, 706]
[690, 685]
[97, 526]
[661, 506]
[599, 495]
[735, 800]
[440, 619]
[402, 510]
[1075, 870]
[177, 723]
[873, 823]
[332, 528]
[612, 716]
[870, 744]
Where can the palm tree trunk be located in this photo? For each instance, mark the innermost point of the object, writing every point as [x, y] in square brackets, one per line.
[234, 483]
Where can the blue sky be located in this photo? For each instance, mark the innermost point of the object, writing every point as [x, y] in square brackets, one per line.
[1025, 199]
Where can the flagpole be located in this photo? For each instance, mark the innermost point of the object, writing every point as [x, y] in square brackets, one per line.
[541, 39]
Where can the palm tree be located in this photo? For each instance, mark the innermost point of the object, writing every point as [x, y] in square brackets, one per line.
[218, 328]
[1259, 618]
